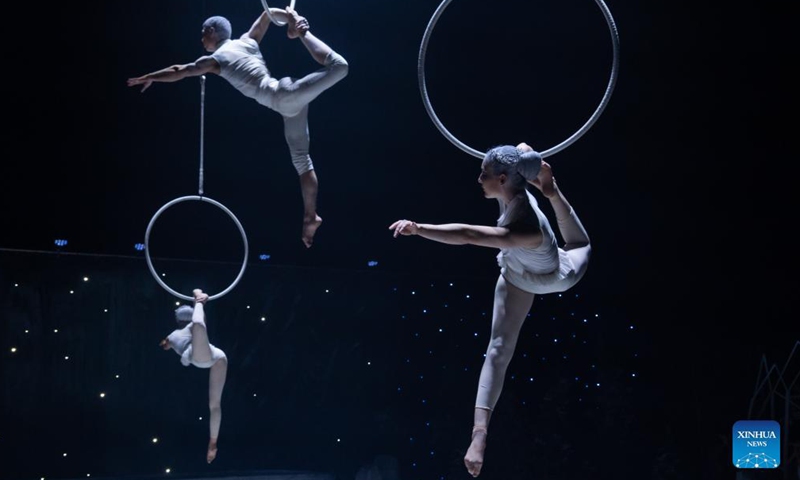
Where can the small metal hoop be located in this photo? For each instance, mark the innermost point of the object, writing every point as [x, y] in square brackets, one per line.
[271, 18]
[201, 199]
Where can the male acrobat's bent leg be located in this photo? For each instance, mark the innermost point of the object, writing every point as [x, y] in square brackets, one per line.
[298, 139]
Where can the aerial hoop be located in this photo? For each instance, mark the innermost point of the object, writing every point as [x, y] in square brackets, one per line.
[546, 153]
[200, 198]
[271, 18]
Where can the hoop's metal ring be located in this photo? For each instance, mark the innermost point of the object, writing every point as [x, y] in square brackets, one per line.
[546, 153]
[201, 199]
[271, 18]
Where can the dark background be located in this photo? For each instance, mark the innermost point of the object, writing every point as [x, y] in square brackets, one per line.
[685, 183]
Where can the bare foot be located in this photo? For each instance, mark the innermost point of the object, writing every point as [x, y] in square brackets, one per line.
[474, 457]
[309, 229]
[545, 181]
[199, 296]
[211, 454]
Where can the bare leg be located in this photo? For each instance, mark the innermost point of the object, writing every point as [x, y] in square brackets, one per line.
[311, 221]
[216, 382]
[298, 27]
[201, 349]
[572, 231]
[295, 130]
[511, 307]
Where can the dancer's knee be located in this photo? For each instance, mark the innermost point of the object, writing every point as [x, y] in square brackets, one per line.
[499, 354]
[337, 65]
[302, 163]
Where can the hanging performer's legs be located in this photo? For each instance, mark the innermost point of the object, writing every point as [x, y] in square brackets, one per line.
[511, 307]
[216, 382]
[576, 239]
[292, 100]
[201, 348]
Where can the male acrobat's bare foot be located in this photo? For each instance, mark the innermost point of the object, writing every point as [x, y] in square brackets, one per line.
[310, 226]
[474, 457]
[545, 181]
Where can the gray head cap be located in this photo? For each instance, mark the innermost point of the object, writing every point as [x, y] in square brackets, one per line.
[511, 159]
[221, 26]
[184, 313]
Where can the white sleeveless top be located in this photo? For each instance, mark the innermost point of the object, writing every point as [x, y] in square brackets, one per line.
[243, 66]
[543, 269]
[180, 340]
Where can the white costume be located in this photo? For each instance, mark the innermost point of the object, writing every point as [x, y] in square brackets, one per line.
[525, 272]
[546, 268]
[243, 66]
[181, 341]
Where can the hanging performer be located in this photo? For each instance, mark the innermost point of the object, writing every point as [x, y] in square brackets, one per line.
[530, 260]
[190, 341]
[239, 61]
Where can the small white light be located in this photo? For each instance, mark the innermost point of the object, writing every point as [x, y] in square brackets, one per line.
[66, 357]
[369, 363]
[71, 292]
[168, 470]
[263, 319]
[155, 440]
[55, 330]
[248, 307]
[105, 310]
[65, 454]
[13, 349]
[16, 284]
[177, 303]
[164, 275]
[102, 395]
[116, 376]
[26, 331]
[200, 418]
[85, 279]
[338, 440]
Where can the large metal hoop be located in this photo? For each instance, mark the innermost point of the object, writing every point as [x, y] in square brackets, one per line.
[569, 141]
[201, 199]
[271, 18]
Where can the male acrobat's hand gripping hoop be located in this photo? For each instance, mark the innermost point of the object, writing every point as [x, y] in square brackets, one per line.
[271, 18]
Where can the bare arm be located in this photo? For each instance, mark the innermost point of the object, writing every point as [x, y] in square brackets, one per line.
[464, 234]
[260, 26]
[174, 73]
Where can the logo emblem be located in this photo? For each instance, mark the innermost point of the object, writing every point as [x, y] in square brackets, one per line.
[756, 444]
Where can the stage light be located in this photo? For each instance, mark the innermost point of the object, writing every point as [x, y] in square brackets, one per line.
[372, 263]
[139, 247]
[60, 242]
[263, 256]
